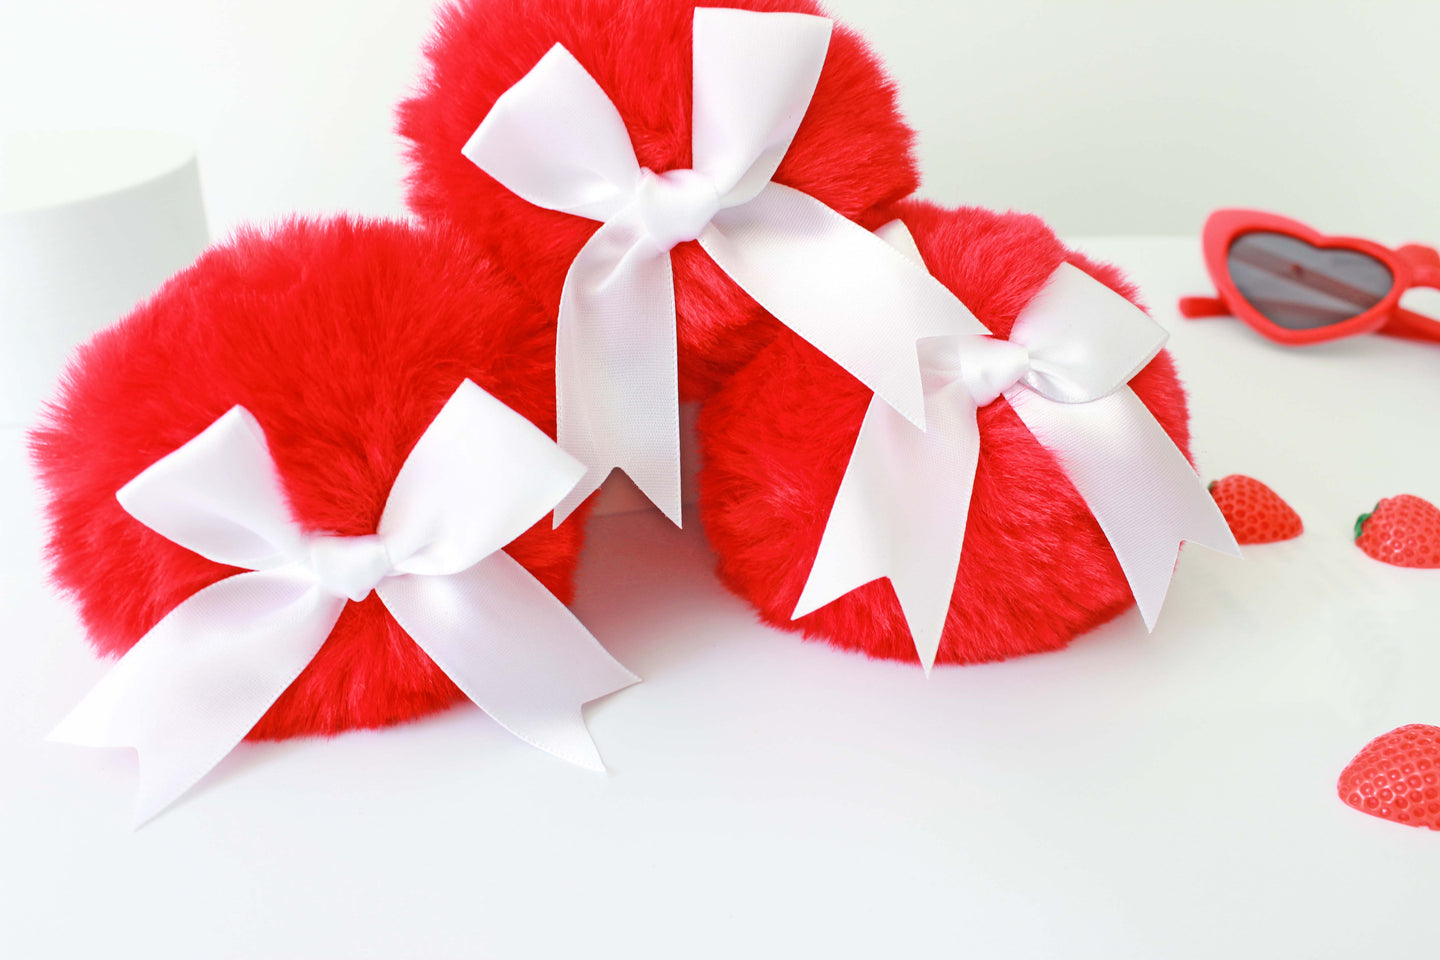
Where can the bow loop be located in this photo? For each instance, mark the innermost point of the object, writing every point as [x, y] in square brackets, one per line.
[754, 76]
[1085, 340]
[556, 140]
[219, 496]
[479, 477]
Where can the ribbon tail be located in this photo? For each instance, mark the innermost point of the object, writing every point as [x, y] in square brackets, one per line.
[901, 512]
[1139, 486]
[191, 689]
[836, 284]
[627, 323]
[513, 648]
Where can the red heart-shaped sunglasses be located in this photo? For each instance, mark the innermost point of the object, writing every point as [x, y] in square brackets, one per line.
[1297, 286]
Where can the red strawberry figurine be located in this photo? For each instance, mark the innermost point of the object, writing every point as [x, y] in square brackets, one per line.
[1403, 531]
[1255, 513]
[1397, 777]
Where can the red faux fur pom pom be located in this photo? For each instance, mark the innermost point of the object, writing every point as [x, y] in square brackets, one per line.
[344, 339]
[852, 152]
[1036, 570]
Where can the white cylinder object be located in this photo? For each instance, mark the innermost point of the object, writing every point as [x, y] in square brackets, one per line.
[90, 224]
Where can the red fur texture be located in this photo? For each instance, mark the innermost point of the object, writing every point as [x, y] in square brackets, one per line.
[344, 338]
[852, 152]
[1036, 571]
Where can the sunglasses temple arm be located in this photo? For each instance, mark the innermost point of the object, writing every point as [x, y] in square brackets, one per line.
[1409, 325]
[1195, 308]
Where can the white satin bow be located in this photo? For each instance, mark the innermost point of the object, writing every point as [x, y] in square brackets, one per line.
[480, 475]
[904, 500]
[557, 141]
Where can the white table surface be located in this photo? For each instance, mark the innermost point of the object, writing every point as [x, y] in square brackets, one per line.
[1132, 796]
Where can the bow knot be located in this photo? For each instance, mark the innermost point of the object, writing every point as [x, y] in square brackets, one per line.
[985, 365]
[478, 477]
[556, 140]
[904, 500]
[677, 206]
[349, 567]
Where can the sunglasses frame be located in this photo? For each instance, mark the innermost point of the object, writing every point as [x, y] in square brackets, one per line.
[1411, 266]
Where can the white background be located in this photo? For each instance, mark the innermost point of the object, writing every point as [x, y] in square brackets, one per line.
[1120, 116]
[1131, 797]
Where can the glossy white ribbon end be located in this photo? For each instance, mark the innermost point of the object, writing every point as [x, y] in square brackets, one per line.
[901, 512]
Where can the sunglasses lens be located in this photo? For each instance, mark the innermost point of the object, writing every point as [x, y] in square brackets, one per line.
[1302, 287]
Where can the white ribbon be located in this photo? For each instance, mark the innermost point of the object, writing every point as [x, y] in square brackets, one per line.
[557, 141]
[905, 497]
[480, 475]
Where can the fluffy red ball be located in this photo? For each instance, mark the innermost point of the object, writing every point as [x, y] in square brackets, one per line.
[852, 151]
[1036, 570]
[344, 339]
